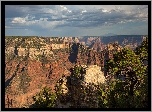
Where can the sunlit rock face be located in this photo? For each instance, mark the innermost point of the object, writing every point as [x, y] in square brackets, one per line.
[94, 75]
[57, 46]
[9, 50]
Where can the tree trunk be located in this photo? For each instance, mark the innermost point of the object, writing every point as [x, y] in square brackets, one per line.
[133, 82]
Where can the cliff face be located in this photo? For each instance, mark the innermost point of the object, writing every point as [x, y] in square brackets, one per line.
[33, 47]
[31, 64]
[131, 41]
[96, 45]
[23, 79]
[123, 40]
[87, 56]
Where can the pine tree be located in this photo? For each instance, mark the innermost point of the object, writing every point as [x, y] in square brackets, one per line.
[132, 91]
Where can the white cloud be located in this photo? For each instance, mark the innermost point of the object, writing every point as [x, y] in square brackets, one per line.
[69, 11]
[84, 11]
[63, 8]
[104, 10]
[43, 19]
[19, 20]
[27, 20]
[64, 16]
[47, 10]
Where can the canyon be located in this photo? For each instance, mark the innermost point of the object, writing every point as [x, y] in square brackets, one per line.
[32, 63]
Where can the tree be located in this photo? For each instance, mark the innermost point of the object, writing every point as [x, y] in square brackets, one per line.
[128, 92]
[44, 99]
[126, 63]
[142, 50]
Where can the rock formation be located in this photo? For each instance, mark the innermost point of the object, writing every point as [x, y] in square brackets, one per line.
[73, 86]
[96, 45]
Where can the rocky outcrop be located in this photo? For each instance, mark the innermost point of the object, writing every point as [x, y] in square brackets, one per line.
[96, 45]
[90, 40]
[74, 87]
[94, 75]
[113, 48]
[122, 40]
[9, 50]
[59, 46]
[34, 47]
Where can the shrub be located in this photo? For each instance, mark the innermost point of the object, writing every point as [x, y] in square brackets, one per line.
[44, 99]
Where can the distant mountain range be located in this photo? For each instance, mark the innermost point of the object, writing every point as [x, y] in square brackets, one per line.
[109, 34]
[121, 39]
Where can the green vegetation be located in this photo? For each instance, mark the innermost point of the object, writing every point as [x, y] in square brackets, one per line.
[25, 37]
[44, 99]
[42, 58]
[47, 40]
[57, 41]
[24, 83]
[82, 49]
[10, 57]
[37, 45]
[132, 92]
[77, 72]
[142, 50]
[19, 41]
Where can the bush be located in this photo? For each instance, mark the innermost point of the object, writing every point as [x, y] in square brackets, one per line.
[44, 99]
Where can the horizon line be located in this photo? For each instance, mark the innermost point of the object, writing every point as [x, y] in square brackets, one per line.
[74, 36]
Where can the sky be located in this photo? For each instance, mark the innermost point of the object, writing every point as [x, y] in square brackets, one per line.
[75, 20]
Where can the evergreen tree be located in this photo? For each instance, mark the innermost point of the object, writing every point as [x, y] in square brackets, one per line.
[44, 99]
[132, 92]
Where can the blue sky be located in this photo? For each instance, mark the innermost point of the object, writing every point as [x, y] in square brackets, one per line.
[75, 20]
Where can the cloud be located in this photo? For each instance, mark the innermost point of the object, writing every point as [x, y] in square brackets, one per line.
[19, 20]
[28, 20]
[55, 16]
[84, 11]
